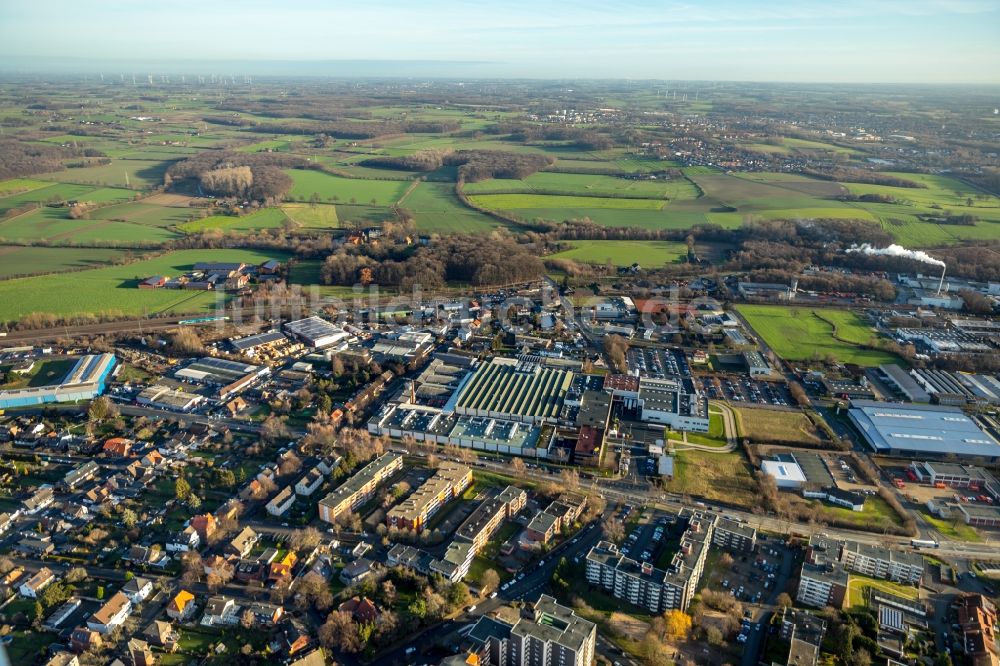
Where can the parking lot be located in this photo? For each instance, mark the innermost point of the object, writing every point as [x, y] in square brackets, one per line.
[657, 363]
[736, 388]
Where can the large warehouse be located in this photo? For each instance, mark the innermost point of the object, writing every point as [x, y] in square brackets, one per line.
[924, 431]
[508, 388]
[316, 332]
[229, 377]
[84, 381]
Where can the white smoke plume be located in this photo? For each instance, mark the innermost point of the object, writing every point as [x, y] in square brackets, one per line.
[897, 251]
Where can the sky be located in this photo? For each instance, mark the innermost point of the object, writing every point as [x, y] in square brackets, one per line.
[911, 41]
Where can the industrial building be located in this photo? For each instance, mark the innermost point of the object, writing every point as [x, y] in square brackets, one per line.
[165, 397]
[84, 381]
[957, 476]
[756, 364]
[252, 344]
[359, 488]
[902, 382]
[429, 424]
[507, 388]
[227, 378]
[924, 431]
[316, 332]
[785, 474]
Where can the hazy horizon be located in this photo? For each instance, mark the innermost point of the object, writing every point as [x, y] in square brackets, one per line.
[919, 42]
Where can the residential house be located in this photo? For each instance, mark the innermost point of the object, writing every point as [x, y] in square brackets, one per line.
[37, 547]
[220, 611]
[138, 589]
[310, 482]
[362, 609]
[7, 521]
[243, 543]
[112, 614]
[162, 634]
[40, 499]
[296, 637]
[281, 571]
[139, 653]
[205, 525]
[181, 607]
[148, 556]
[356, 571]
[83, 639]
[63, 659]
[282, 502]
[80, 475]
[117, 446]
[266, 615]
[185, 540]
[32, 587]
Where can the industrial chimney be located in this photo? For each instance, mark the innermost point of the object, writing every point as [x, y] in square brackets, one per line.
[941, 283]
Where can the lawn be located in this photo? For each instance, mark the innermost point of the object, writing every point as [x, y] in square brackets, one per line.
[771, 425]
[346, 190]
[876, 516]
[27, 646]
[953, 529]
[624, 253]
[801, 334]
[268, 218]
[857, 583]
[113, 289]
[19, 261]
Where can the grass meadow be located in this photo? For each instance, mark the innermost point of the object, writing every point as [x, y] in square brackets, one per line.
[624, 253]
[113, 288]
[801, 334]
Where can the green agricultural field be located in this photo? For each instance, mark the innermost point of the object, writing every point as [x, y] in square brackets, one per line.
[344, 190]
[144, 214]
[519, 201]
[113, 289]
[19, 185]
[18, 261]
[268, 218]
[54, 225]
[437, 208]
[140, 174]
[312, 216]
[624, 253]
[801, 334]
[910, 219]
[52, 193]
[545, 182]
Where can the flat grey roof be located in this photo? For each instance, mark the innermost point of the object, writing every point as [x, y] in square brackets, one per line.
[921, 429]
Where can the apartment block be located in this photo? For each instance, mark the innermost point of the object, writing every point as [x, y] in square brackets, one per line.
[359, 488]
[555, 637]
[734, 535]
[450, 480]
